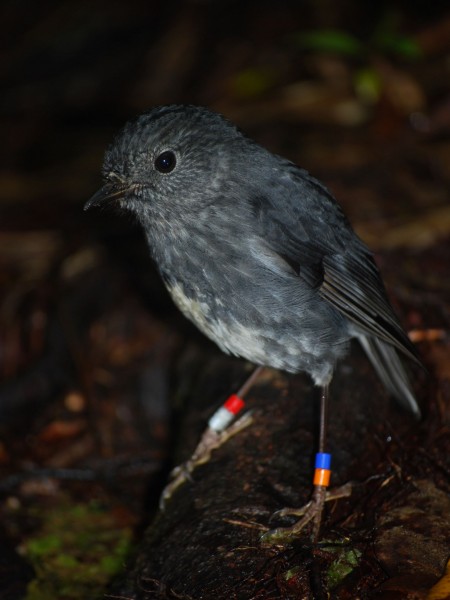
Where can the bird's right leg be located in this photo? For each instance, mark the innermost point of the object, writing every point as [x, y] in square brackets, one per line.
[220, 429]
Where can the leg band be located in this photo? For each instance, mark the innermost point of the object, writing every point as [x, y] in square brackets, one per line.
[322, 472]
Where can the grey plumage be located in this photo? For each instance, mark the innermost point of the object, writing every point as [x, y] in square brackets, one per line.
[252, 248]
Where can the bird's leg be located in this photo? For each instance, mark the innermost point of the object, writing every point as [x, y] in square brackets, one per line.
[220, 429]
[313, 510]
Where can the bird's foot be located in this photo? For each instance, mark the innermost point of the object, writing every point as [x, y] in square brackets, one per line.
[311, 512]
[210, 441]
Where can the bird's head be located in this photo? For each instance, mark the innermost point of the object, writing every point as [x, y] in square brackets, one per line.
[170, 161]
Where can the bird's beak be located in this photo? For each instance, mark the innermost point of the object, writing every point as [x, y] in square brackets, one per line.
[108, 193]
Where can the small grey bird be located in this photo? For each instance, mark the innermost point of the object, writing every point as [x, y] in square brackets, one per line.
[255, 251]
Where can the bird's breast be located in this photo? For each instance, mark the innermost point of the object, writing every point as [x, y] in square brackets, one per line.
[192, 306]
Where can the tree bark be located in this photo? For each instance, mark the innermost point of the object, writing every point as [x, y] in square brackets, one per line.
[388, 540]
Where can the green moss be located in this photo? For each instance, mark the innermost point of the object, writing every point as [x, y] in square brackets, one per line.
[346, 561]
[291, 573]
[75, 552]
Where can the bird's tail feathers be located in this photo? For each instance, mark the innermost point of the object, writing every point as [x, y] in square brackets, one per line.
[391, 371]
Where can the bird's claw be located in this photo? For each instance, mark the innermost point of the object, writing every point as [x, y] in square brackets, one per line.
[210, 441]
[311, 511]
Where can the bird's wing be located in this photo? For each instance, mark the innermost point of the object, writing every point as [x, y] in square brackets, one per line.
[357, 291]
[305, 227]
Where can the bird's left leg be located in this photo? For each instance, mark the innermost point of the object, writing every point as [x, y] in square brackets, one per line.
[313, 510]
[220, 429]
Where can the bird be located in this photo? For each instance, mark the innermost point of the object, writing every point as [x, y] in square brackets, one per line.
[257, 253]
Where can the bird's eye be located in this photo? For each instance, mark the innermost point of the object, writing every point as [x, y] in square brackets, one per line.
[165, 162]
